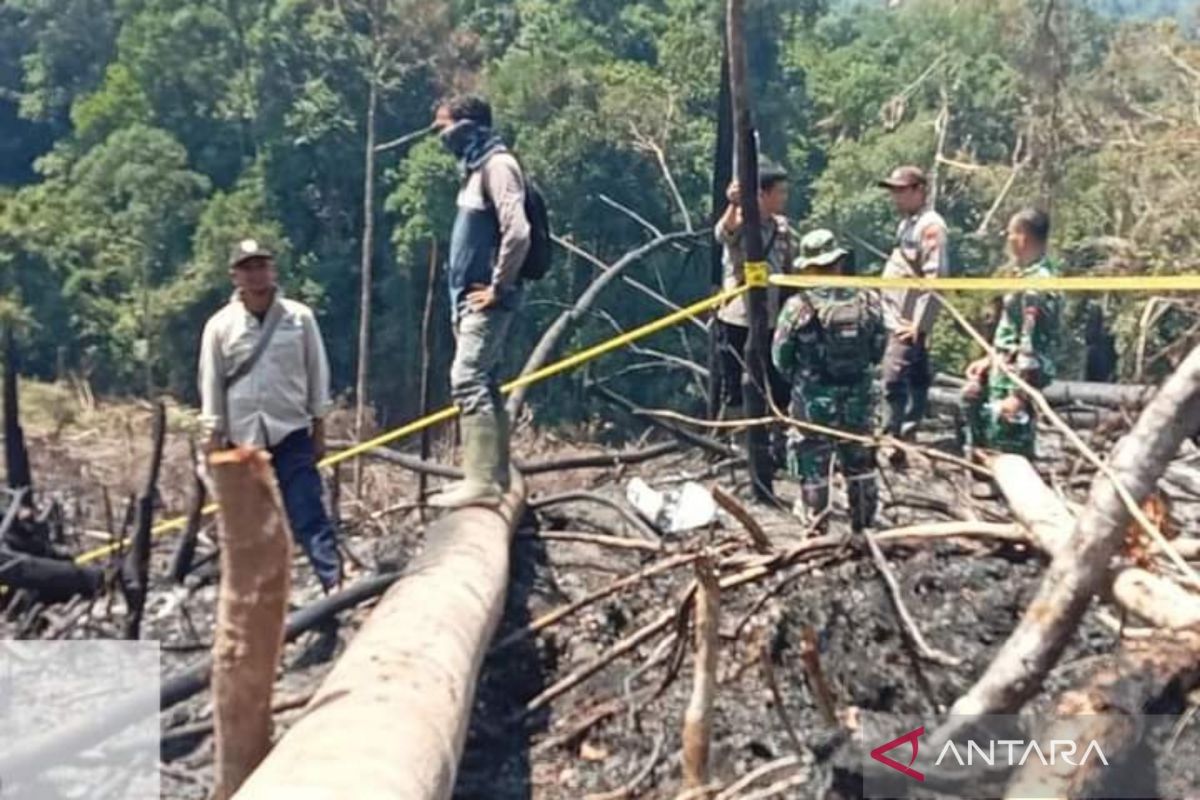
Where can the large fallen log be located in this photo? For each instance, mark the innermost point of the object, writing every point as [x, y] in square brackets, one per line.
[1082, 566]
[1033, 503]
[1065, 393]
[1158, 600]
[256, 559]
[53, 579]
[391, 718]
[1083, 418]
[1108, 395]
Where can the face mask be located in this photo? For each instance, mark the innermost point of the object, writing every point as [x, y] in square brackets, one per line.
[459, 136]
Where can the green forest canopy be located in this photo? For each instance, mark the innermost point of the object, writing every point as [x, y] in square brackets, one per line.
[138, 138]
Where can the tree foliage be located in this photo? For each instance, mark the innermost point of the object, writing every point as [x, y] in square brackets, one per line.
[139, 138]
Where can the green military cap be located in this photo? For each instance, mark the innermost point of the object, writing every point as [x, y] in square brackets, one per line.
[819, 248]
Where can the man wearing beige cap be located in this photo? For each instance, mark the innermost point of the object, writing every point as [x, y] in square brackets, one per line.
[921, 251]
[264, 382]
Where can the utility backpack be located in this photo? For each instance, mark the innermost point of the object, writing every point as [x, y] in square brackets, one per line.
[537, 260]
[845, 339]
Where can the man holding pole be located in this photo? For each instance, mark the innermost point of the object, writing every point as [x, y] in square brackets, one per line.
[733, 319]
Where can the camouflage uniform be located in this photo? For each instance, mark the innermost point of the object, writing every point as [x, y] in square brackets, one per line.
[831, 390]
[1026, 337]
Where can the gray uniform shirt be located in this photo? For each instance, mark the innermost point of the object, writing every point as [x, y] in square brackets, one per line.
[921, 251]
[285, 391]
[777, 235]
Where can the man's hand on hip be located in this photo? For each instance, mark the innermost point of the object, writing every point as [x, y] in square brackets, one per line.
[906, 332]
[480, 297]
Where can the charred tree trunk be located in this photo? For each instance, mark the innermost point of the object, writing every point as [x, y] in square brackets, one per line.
[721, 176]
[135, 571]
[698, 723]
[185, 552]
[758, 447]
[16, 457]
[256, 559]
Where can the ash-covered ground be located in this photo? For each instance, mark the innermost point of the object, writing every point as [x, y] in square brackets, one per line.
[618, 732]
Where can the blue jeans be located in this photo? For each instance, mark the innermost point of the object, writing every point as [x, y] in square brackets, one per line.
[295, 465]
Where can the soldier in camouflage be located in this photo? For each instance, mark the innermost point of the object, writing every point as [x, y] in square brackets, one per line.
[827, 342]
[998, 415]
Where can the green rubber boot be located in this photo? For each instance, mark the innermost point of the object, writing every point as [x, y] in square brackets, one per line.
[481, 464]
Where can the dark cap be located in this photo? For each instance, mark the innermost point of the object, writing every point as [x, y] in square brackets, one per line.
[904, 177]
[245, 250]
[769, 170]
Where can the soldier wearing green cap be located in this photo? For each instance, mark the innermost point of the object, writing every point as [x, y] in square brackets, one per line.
[998, 414]
[827, 342]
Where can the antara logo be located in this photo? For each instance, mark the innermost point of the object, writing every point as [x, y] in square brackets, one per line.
[1059, 749]
[1005, 752]
[911, 739]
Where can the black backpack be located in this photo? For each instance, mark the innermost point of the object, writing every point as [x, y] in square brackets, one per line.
[537, 260]
[845, 340]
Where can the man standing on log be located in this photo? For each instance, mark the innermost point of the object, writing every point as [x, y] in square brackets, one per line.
[921, 251]
[827, 344]
[733, 322]
[264, 382]
[998, 415]
[488, 245]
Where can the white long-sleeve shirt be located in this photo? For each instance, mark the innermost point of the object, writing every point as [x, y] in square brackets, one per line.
[287, 388]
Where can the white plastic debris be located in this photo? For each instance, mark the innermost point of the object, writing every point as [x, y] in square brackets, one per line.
[687, 508]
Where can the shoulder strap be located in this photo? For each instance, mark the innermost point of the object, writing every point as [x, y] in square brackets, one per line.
[274, 316]
[483, 187]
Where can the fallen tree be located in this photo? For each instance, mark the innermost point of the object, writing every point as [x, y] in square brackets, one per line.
[407, 680]
[1081, 569]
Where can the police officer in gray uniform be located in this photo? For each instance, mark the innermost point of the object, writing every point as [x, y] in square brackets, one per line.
[921, 251]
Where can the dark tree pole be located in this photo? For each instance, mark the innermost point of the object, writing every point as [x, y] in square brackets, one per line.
[757, 437]
[722, 174]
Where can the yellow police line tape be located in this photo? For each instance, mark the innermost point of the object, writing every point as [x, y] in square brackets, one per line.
[451, 412]
[1101, 283]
